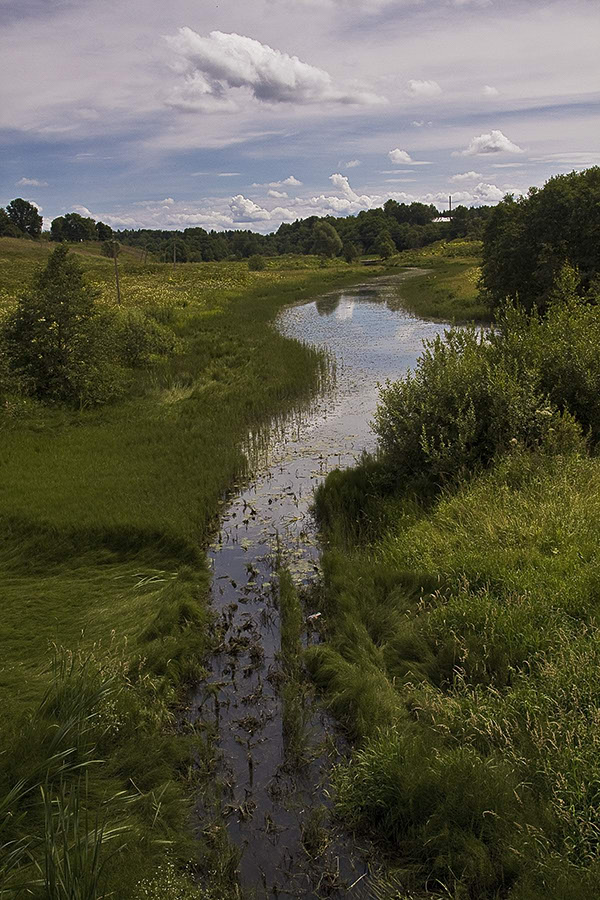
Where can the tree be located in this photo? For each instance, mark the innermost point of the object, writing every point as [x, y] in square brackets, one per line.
[103, 232]
[110, 249]
[326, 240]
[350, 252]
[57, 229]
[58, 341]
[527, 241]
[76, 228]
[384, 246]
[24, 216]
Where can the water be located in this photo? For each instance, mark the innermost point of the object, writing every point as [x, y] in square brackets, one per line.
[270, 800]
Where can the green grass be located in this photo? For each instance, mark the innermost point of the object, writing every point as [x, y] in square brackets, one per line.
[462, 654]
[448, 291]
[104, 516]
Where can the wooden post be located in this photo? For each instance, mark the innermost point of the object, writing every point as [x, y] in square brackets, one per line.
[115, 245]
[174, 251]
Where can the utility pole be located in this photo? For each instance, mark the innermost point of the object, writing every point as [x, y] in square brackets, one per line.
[450, 206]
[114, 246]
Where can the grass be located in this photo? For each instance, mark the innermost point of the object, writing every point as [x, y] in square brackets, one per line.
[462, 656]
[448, 291]
[104, 515]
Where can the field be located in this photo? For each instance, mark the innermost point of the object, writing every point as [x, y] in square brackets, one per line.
[104, 516]
[449, 289]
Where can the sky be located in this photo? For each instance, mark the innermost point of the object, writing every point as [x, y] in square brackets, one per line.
[250, 113]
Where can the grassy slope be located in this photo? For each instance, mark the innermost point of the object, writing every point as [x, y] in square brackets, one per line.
[448, 291]
[99, 510]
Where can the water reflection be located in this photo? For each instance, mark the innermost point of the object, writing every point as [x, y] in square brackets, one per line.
[267, 522]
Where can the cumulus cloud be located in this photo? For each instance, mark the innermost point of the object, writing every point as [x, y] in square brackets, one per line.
[215, 66]
[349, 202]
[278, 195]
[351, 164]
[290, 181]
[466, 176]
[489, 91]
[493, 142]
[246, 210]
[423, 89]
[30, 182]
[481, 193]
[403, 158]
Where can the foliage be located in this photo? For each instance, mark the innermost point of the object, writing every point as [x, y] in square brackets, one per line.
[462, 655]
[73, 227]
[528, 240]
[327, 241]
[110, 248]
[385, 246]
[57, 340]
[24, 216]
[530, 382]
[257, 263]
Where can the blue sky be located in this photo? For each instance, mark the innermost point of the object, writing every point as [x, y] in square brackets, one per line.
[248, 113]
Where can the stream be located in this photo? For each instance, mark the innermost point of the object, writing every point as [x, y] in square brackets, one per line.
[275, 808]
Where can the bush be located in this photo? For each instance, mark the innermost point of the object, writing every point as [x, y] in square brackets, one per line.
[58, 341]
[141, 338]
[257, 263]
[531, 382]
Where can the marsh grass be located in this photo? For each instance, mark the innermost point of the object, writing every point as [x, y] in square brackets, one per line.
[462, 656]
[104, 516]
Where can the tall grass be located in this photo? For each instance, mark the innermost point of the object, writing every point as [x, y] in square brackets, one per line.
[462, 655]
[104, 518]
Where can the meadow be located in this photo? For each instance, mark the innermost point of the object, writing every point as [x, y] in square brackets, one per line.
[104, 515]
[448, 290]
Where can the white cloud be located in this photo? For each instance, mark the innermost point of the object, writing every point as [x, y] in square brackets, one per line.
[481, 193]
[493, 142]
[423, 89]
[402, 158]
[245, 210]
[82, 211]
[278, 195]
[215, 66]
[466, 176]
[351, 164]
[489, 91]
[228, 174]
[30, 182]
[290, 181]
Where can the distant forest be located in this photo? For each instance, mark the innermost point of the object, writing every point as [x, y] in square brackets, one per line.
[407, 226]
[382, 232]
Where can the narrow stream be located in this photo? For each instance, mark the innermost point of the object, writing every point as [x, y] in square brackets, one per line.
[271, 803]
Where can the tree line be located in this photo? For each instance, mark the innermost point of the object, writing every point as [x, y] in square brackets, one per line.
[382, 232]
[528, 240]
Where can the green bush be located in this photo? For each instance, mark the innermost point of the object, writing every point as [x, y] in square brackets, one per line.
[141, 338]
[58, 341]
[257, 263]
[530, 382]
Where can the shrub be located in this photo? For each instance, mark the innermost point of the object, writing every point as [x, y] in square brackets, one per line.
[59, 342]
[257, 263]
[531, 382]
